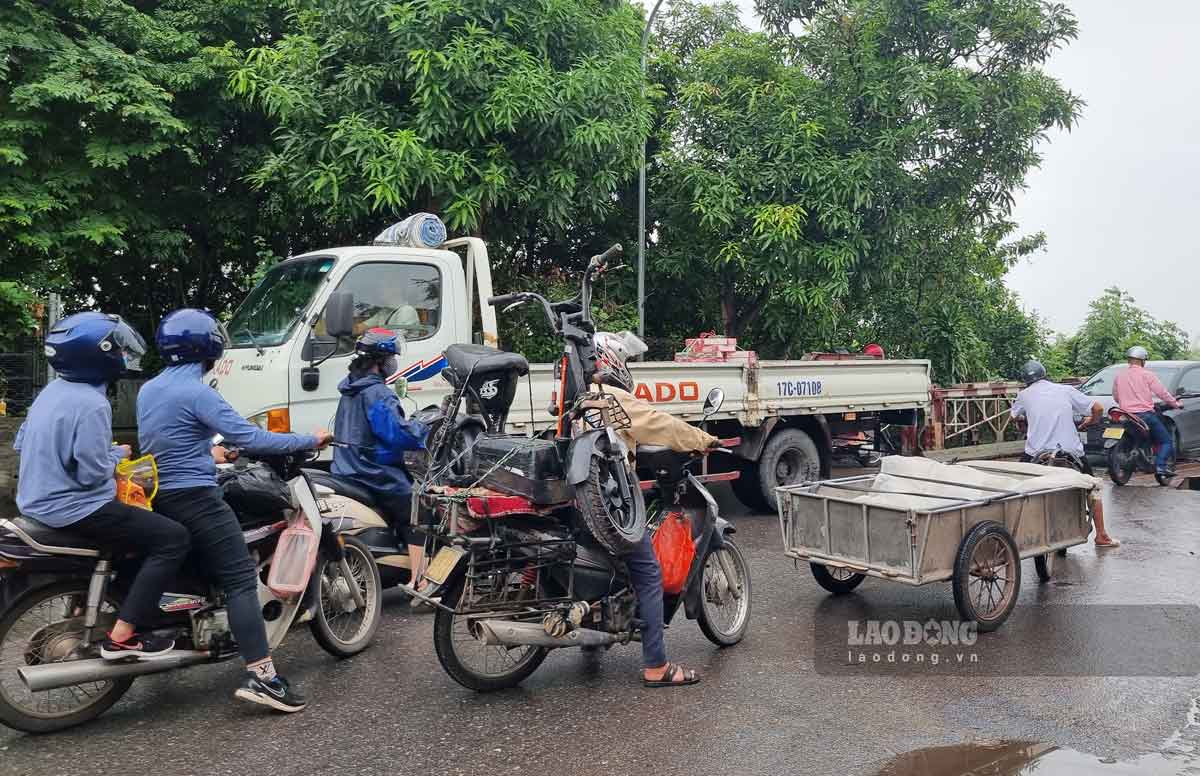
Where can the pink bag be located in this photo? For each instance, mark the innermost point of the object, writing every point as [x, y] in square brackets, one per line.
[295, 557]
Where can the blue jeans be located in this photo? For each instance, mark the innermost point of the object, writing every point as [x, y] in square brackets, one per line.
[1162, 438]
[646, 577]
[218, 541]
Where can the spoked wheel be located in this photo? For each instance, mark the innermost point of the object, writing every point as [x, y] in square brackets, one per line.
[1120, 461]
[46, 626]
[470, 662]
[617, 523]
[987, 575]
[340, 626]
[836, 580]
[725, 598]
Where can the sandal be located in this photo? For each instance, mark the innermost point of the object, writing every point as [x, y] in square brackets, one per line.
[669, 676]
[1110, 543]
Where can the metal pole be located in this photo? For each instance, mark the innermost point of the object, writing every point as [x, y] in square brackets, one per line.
[642, 191]
[53, 315]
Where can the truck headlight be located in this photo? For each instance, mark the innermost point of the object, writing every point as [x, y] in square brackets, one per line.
[276, 420]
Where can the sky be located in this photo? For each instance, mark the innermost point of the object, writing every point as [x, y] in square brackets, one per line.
[1117, 196]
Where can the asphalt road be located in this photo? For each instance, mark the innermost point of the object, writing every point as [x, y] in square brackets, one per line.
[763, 708]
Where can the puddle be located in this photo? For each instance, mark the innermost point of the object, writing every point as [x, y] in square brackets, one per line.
[1018, 758]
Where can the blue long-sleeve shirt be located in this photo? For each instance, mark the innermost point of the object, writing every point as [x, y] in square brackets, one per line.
[370, 419]
[178, 415]
[67, 455]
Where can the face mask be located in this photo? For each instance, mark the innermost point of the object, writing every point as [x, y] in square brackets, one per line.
[389, 367]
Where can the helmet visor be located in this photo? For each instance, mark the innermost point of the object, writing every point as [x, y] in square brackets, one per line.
[129, 343]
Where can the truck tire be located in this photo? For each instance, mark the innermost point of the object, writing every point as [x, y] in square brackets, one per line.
[790, 457]
[748, 489]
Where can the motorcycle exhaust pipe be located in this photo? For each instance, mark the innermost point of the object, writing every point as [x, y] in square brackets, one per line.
[507, 633]
[52, 676]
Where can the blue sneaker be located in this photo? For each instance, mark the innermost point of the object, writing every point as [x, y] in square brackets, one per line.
[272, 693]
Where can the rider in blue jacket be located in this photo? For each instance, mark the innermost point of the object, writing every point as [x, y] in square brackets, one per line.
[178, 416]
[371, 423]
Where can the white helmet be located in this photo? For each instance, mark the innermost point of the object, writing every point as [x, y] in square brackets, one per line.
[1138, 352]
[612, 353]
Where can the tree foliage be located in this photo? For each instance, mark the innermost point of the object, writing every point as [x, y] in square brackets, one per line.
[865, 156]
[493, 113]
[1114, 324]
[123, 159]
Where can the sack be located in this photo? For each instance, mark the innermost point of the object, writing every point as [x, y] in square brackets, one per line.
[255, 490]
[675, 552]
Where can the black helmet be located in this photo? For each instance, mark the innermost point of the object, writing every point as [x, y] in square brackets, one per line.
[1032, 372]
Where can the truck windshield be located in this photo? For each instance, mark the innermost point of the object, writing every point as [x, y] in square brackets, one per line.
[275, 305]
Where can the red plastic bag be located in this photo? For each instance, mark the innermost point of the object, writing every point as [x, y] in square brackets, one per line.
[675, 551]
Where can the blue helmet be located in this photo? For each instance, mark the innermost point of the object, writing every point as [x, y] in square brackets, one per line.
[378, 346]
[94, 347]
[190, 336]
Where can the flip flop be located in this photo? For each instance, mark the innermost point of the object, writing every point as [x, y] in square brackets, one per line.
[1108, 544]
[668, 678]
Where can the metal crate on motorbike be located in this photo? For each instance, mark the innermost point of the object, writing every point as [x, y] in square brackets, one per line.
[530, 468]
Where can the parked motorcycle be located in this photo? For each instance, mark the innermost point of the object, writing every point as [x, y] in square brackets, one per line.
[531, 539]
[51, 675]
[1129, 446]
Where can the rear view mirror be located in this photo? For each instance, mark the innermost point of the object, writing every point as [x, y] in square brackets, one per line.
[713, 402]
[339, 314]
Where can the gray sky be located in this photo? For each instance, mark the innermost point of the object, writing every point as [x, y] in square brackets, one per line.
[1117, 195]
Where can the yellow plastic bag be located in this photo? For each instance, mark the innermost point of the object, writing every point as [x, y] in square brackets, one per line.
[137, 481]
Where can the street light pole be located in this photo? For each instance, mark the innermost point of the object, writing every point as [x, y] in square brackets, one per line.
[642, 191]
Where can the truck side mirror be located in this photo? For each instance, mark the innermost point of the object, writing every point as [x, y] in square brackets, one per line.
[339, 314]
[713, 402]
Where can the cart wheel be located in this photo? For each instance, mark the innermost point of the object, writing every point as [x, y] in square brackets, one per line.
[987, 575]
[1045, 566]
[835, 580]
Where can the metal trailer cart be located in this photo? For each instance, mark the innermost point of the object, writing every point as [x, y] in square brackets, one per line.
[976, 544]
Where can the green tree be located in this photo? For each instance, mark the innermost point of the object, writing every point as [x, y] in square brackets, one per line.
[870, 154]
[123, 159]
[506, 118]
[1114, 324]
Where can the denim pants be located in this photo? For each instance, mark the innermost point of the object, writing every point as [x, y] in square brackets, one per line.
[217, 540]
[646, 576]
[1161, 436]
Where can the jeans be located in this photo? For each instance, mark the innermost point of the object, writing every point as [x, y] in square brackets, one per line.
[646, 576]
[1162, 438]
[164, 544]
[218, 541]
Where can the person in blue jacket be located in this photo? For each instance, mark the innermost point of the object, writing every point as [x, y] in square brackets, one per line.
[371, 422]
[68, 463]
[178, 416]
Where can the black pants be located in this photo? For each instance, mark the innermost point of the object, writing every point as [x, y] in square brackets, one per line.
[218, 542]
[164, 544]
[397, 511]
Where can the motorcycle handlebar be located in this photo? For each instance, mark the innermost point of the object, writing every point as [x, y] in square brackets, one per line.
[601, 259]
[503, 299]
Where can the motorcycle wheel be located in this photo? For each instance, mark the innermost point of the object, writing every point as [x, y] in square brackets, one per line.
[618, 527]
[344, 633]
[42, 627]
[724, 618]
[468, 660]
[1120, 462]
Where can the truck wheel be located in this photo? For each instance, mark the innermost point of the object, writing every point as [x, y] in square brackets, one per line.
[789, 458]
[748, 489]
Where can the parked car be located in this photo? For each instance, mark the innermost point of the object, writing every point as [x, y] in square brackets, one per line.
[1182, 379]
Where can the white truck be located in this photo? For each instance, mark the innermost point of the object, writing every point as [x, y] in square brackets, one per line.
[282, 371]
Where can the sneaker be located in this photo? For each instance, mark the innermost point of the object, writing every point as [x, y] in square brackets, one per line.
[136, 647]
[273, 693]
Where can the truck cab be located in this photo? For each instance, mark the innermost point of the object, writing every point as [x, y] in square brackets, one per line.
[281, 369]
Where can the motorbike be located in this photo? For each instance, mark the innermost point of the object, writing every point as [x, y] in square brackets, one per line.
[51, 675]
[531, 531]
[1129, 446]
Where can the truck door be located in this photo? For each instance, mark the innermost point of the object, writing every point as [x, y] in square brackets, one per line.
[407, 296]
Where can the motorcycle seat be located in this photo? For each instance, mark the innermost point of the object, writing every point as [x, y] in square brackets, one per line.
[54, 541]
[342, 486]
[479, 359]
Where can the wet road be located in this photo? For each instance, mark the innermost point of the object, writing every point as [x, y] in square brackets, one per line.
[763, 708]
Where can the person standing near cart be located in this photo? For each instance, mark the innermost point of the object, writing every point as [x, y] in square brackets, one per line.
[1049, 411]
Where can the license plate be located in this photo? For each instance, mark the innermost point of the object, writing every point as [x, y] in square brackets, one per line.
[443, 563]
[1115, 432]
